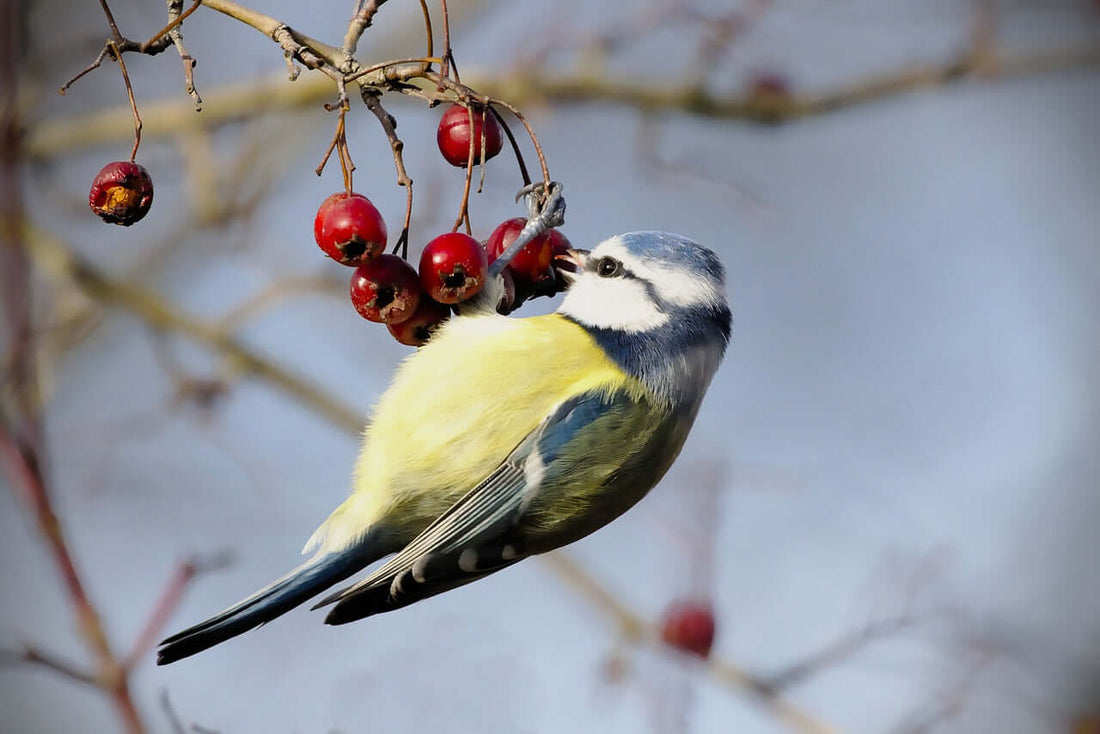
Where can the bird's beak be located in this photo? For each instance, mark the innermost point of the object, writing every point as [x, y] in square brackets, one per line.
[570, 262]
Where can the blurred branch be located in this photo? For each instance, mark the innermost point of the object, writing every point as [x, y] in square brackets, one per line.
[634, 629]
[33, 656]
[162, 315]
[258, 97]
[22, 445]
[952, 697]
[837, 651]
[169, 600]
[277, 292]
[25, 473]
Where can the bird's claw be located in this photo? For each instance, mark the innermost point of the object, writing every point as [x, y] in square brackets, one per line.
[546, 210]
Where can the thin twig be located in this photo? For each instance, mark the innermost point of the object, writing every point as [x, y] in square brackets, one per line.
[173, 24]
[34, 656]
[340, 141]
[129, 94]
[428, 28]
[88, 69]
[837, 652]
[389, 124]
[530, 133]
[448, 68]
[515, 146]
[464, 206]
[174, 31]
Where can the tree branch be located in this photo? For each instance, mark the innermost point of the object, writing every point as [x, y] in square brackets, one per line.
[239, 101]
[165, 316]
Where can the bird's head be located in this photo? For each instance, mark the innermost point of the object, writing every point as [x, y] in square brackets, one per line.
[652, 299]
[645, 281]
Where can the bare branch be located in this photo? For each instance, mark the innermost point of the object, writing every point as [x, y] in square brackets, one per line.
[34, 656]
[160, 314]
[235, 102]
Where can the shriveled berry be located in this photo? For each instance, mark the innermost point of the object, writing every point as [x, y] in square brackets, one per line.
[416, 330]
[385, 290]
[349, 229]
[689, 626]
[455, 133]
[453, 267]
[121, 193]
[531, 265]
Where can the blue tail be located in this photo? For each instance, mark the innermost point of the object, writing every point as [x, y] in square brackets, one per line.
[302, 583]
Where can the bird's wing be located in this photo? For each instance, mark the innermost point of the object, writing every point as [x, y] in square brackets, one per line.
[465, 542]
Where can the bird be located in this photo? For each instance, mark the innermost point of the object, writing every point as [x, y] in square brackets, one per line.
[503, 438]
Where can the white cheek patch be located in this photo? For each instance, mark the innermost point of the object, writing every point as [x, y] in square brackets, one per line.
[621, 304]
[674, 286]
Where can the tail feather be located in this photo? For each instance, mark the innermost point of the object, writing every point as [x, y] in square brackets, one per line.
[301, 584]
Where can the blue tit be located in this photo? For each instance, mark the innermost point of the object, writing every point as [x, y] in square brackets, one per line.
[503, 438]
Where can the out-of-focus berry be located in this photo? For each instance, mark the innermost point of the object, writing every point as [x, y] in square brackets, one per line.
[689, 626]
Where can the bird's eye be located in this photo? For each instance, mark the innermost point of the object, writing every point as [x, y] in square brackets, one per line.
[608, 267]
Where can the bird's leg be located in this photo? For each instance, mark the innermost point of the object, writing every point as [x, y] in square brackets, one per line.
[546, 210]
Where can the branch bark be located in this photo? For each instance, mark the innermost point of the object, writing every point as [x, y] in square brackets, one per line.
[240, 101]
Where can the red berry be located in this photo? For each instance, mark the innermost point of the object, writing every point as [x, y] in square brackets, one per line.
[121, 193]
[416, 330]
[385, 290]
[453, 267]
[349, 229]
[531, 265]
[689, 626]
[454, 135]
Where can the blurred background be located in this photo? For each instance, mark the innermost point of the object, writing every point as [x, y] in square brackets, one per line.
[889, 500]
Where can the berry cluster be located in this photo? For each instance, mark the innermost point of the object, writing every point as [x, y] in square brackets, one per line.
[453, 266]
[350, 230]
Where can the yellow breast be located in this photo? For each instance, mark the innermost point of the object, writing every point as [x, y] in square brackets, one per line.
[458, 407]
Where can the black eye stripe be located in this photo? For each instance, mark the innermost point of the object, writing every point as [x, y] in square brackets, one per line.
[608, 267]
